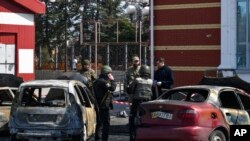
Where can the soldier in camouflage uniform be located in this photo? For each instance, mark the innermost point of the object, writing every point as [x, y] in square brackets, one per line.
[131, 74]
[142, 92]
[89, 73]
[104, 87]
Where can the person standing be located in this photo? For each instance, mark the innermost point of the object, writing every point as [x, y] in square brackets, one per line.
[103, 88]
[89, 73]
[142, 92]
[74, 63]
[131, 74]
[163, 77]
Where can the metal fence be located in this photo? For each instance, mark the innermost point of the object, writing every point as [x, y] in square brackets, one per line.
[53, 74]
[117, 55]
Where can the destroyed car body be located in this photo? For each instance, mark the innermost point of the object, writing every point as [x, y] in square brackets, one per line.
[52, 110]
[7, 95]
[197, 113]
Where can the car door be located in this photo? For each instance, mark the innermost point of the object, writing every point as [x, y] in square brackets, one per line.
[231, 108]
[89, 114]
[245, 101]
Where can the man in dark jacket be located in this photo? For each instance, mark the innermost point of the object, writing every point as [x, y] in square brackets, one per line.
[103, 88]
[163, 77]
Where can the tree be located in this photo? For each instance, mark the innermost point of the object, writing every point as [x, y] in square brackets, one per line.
[51, 26]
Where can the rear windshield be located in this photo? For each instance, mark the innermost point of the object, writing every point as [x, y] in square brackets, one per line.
[43, 96]
[191, 95]
[5, 98]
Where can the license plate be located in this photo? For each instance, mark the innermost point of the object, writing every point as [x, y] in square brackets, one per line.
[163, 115]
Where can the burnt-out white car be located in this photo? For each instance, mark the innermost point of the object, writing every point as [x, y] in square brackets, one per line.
[52, 110]
[7, 95]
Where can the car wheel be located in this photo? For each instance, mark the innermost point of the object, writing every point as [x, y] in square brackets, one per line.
[82, 136]
[77, 138]
[217, 135]
[13, 138]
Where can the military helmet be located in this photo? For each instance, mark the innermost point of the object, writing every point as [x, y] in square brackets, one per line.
[106, 69]
[86, 62]
[144, 70]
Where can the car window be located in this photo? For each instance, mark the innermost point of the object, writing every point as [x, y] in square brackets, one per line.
[228, 99]
[79, 94]
[43, 96]
[5, 98]
[245, 101]
[91, 97]
[191, 95]
[84, 95]
[14, 92]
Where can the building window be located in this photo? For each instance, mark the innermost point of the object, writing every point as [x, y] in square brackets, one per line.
[243, 36]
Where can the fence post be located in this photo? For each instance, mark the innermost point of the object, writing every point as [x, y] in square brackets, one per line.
[108, 53]
[145, 55]
[126, 56]
[90, 53]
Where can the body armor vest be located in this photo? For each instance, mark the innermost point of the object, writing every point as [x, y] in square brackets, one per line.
[143, 88]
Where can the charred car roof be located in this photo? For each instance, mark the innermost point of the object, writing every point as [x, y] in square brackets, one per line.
[58, 83]
[203, 87]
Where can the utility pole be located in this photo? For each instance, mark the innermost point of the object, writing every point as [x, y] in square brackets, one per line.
[65, 37]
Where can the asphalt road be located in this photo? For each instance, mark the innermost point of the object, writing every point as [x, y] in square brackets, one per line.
[118, 130]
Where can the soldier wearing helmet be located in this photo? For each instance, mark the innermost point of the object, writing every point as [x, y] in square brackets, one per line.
[103, 88]
[89, 73]
[131, 74]
[141, 92]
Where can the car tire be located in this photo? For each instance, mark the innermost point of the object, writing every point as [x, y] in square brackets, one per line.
[217, 135]
[82, 137]
[13, 138]
[77, 138]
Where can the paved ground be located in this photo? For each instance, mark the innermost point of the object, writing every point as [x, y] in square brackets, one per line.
[118, 130]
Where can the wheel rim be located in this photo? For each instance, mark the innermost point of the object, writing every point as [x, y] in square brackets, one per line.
[217, 138]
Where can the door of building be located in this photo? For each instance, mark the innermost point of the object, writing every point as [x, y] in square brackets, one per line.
[7, 58]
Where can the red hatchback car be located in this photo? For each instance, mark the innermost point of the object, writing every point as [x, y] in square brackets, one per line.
[193, 113]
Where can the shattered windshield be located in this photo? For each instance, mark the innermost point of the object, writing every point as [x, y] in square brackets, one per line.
[191, 95]
[43, 96]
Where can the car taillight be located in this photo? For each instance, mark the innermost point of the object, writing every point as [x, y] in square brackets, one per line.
[188, 116]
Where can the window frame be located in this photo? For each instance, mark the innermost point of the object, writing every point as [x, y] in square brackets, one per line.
[236, 97]
[245, 65]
